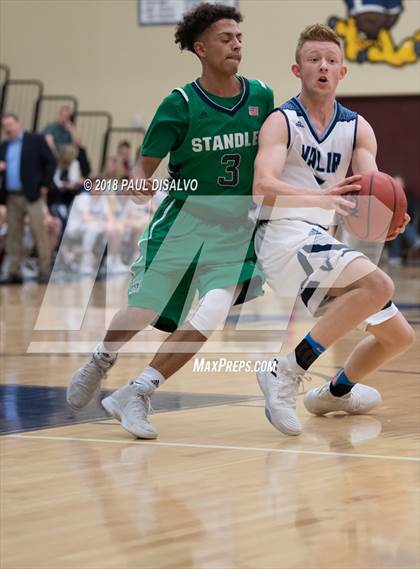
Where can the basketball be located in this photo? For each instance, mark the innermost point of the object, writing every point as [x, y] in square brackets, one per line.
[380, 207]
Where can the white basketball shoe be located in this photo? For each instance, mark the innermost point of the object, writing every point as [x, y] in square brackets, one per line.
[361, 399]
[280, 389]
[130, 406]
[86, 381]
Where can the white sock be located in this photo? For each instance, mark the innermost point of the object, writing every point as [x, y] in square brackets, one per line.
[104, 354]
[149, 380]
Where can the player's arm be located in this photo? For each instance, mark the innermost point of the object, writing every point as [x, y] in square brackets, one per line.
[365, 149]
[166, 131]
[364, 160]
[144, 169]
[270, 160]
[269, 165]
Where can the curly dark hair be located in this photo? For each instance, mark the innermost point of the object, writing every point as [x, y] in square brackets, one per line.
[199, 19]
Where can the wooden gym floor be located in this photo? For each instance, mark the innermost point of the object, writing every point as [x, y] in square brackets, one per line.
[220, 488]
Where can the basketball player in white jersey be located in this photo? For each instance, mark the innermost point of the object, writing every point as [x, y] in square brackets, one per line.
[305, 149]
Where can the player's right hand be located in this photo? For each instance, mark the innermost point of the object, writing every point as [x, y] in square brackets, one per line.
[336, 198]
[143, 196]
[149, 187]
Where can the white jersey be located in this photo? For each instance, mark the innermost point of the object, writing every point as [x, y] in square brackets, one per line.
[314, 161]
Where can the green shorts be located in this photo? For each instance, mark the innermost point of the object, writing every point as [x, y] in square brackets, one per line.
[181, 254]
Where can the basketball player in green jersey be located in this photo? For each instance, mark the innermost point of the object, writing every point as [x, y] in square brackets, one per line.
[198, 240]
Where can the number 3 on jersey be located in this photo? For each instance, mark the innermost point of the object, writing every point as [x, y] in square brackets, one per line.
[232, 162]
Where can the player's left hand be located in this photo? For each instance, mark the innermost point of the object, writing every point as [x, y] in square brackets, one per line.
[399, 229]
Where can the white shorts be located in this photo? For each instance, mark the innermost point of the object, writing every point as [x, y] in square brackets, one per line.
[303, 259]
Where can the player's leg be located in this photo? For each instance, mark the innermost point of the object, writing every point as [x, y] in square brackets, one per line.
[322, 264]
[360, 291]
[390, 335]
[147, 292]
[354, 300]
[217, 273]
[131, 404]
[86, 381]
[217, 294]
[386, 340]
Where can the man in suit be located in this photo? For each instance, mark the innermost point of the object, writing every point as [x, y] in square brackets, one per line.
[27, 168]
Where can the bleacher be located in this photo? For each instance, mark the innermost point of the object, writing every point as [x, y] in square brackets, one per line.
[35, 107]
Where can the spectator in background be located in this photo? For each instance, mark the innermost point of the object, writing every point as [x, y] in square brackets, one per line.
[53, 226]
[93, 222]
[125, 159]
[116, 207]
[3, 233]
[67, 183]
[68, 175]
[27, 166]
[136, 219]
[410, 239]
[130, 218]
[62, 131]
[113, 169]
[84, 162]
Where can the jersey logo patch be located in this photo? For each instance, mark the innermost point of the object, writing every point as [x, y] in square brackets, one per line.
[254, 111]
[203, 115]
[300, 124]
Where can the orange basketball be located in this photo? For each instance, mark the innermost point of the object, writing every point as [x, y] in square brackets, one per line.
[380, 207]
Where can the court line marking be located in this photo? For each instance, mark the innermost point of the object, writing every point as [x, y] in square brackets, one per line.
[218, 447]
[381, 370]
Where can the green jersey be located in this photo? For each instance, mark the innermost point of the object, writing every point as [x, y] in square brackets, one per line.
[213, 144]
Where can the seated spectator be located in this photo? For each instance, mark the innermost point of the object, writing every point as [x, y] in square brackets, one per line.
[27, 166]
[68, 177]
[112, 169]
[93, 221]
[84, 163]
[136, 219]
[124, 158]
[62, 131]
[67, 183]
[132, 217]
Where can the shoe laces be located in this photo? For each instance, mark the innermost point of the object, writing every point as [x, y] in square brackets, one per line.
[141, 406]
[288, 390]
[147, 403]
[102, 363]
[92, 366]
[300, 379]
